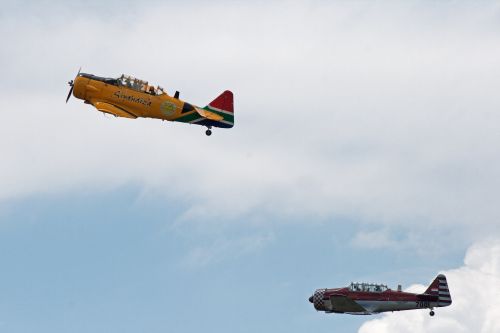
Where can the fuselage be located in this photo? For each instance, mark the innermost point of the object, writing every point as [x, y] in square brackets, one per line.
[145, 104]
[332, 300]
[365, 298]
[132, 98]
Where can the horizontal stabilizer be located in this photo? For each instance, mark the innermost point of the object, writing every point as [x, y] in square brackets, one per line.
[209, 115]
[112, 109]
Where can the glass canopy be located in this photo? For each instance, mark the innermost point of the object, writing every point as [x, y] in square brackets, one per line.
[138, 85]
[368, 287]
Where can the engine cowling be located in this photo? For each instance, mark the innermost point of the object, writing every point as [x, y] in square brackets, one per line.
[317, 299]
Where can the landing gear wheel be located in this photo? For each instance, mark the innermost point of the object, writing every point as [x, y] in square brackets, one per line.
[431, 313]
[208, 132]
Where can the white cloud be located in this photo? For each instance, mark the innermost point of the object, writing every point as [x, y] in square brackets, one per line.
[375, 239]
[475, 292]
[380, 112]
[223, 249]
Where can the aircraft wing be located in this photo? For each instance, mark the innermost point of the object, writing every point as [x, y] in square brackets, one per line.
[342, 303]
[112, 109]
[209, 115]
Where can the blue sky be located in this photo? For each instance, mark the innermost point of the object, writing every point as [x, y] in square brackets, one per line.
[365, 149]
[111, 261]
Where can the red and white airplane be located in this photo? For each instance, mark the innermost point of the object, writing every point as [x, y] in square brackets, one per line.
[365, 298]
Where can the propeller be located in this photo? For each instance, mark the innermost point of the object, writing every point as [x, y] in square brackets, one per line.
[71, 84]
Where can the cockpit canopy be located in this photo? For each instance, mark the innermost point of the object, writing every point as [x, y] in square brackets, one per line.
[368, 287]
[131, 82]
[138, 85]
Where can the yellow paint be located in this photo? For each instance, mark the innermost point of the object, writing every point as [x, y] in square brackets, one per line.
[208, 114]
[123, 101]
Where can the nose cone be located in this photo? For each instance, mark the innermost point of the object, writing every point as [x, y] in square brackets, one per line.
[311, 300]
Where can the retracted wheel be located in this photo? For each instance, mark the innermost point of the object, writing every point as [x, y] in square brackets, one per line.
[431, 313]
[208, 132]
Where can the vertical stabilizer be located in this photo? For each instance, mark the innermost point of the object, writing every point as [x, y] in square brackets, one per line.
[223, 105]
[439, 287]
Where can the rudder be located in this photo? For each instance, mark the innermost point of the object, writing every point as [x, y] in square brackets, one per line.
[439, 287]
[223, 105]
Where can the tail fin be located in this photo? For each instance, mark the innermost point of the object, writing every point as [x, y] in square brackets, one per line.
[223, 106]
[439, 287]
[223, 103]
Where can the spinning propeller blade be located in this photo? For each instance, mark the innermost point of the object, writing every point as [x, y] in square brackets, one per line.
[71, 84]
[70, 91]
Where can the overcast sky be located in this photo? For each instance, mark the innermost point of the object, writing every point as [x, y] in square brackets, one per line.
[365, 147]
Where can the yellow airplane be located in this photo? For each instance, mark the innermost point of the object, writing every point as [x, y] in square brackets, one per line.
[133, 98]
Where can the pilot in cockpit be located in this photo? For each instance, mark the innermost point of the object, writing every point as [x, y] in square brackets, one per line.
[127, 82]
